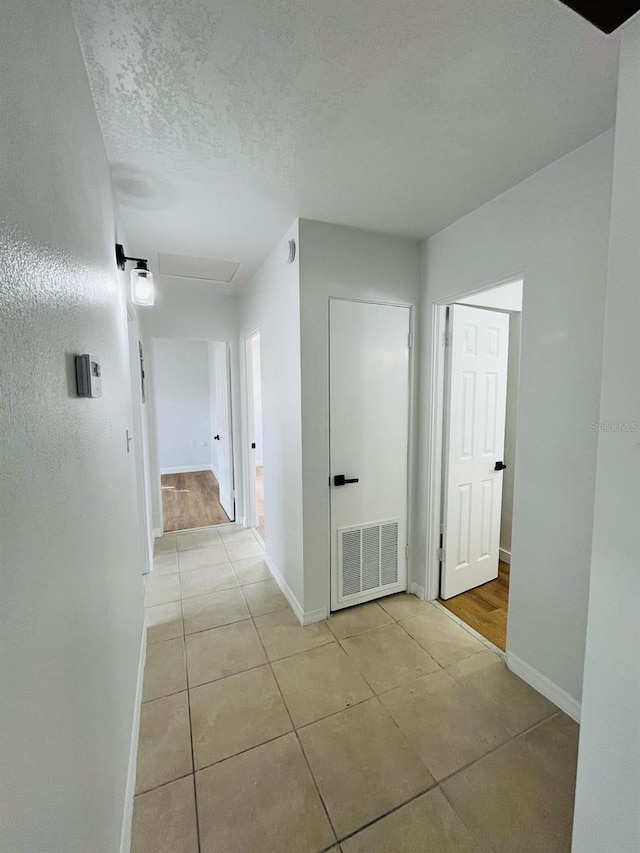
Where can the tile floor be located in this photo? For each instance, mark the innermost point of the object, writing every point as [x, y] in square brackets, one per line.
[386, 728]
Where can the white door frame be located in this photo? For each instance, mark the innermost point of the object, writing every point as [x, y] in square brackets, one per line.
[139, 444]
[247, 414]
[411, 586]
[437, 413]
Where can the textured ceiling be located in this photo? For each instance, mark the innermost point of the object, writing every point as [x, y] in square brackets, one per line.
[226, 119]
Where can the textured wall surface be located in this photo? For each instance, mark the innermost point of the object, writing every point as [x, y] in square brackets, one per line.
[227, 119]
[70, 545]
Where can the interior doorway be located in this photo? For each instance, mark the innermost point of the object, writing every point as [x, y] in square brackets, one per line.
[481, 372]
[255, 449]
[192, 393]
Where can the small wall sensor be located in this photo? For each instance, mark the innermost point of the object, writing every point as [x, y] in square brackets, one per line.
[88, 376]
[292, 252]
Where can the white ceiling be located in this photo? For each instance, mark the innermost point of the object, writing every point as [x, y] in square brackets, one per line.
[226, 119]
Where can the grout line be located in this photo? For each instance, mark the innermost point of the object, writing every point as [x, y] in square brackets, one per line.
[193, 757]
[163, 784]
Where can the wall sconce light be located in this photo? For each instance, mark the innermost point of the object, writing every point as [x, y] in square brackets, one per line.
[141, 277]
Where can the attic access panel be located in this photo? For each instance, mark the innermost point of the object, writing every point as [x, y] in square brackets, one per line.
[606, 15]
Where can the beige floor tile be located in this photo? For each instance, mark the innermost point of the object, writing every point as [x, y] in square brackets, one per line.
[264, 597]
[511, 802]
[428, 823]
[388, 657]
[223, 651]
[202, 558]
[403, 605]
[161, 589]
[197, 539]
[441, 722]
[356, 620]
[283, 635]
[236, 533]
[165, 544]
[235, 714]
[243, 549]
[164, 820]
[164, 622]
[164, 748]
[511, 699]
[319, 682]
[210, 611]
[445, 641]
[262, 801]
[554, 745]
[207, 580]
[165, 669]
[165, 564]
[363, 765]
[252, 570]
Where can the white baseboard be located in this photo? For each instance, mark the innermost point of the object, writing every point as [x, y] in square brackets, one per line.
[505, 555]
[416, 589]
[544, 685]
[157, 533]
[185, 469]
[127, 817]
[302, 617]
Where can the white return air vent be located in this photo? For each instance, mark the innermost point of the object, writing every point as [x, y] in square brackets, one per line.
[368, 557]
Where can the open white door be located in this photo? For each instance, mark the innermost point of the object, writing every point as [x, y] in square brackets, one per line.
[474, 444]
[369, 433]
[223, 427]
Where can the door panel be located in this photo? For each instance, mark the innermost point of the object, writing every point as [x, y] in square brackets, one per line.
[222, 374]
[369, 428]
[476, 406]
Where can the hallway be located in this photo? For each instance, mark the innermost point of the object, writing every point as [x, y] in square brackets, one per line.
[256, 733]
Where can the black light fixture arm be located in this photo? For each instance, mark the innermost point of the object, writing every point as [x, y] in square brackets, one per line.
[121, 259]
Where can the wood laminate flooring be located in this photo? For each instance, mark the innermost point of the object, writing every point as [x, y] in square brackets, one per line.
[191, 500]
[485, 608]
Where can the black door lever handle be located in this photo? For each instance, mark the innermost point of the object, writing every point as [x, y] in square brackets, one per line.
[500, 466]
[340, 480]
[216, 438]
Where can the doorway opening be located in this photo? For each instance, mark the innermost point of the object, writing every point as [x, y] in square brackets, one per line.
[255, 453]
[192, 392]
[478, 421]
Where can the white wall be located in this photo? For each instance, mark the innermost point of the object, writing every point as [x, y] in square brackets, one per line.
[552, 229]
[271, 300]
[349, 263]
[608, 784]
[183, 408]
[71, 547]
[257, 400]
[189, 310]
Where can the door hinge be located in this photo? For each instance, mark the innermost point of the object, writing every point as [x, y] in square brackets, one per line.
[406, 553]
[410, 341]
[441, 554]
[446, 339]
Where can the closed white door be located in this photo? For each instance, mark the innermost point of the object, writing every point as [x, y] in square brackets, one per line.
[223, 435]
[474, 445]
[369, 434]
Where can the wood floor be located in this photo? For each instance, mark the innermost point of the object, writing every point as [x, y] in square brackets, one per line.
[485, 608]
[260, 499]
[191, 500]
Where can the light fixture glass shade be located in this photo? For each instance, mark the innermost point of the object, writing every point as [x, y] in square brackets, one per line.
[141, 287]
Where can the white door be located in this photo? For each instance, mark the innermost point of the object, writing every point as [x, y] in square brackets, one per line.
[474, 445]
[369, 434]
[223, 434]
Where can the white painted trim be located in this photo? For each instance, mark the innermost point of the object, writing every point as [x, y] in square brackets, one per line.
[157, 533]
[545, 686]
[187, 469]
[127, 816]
[505, 555]
[417, 590]
[249, 507]
[302, 617]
